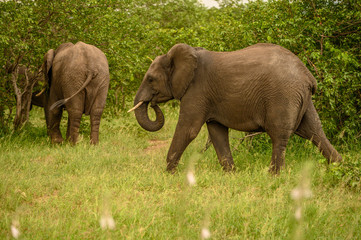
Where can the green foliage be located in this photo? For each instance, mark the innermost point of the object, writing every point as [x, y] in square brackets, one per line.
[348, 172]
[325, 35]
[147, 202]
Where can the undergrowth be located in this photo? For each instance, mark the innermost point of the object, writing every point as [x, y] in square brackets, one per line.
[119, 189]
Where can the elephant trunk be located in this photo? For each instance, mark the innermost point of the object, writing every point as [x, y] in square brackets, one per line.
[141, 114]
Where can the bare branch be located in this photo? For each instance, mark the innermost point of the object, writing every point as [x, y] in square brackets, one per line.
[14, 77]
[313, 65]
[350, 24]
[249, 135]
[209, 141]
[46, 19]
[208, 144]
[338, 34]
[26, 76]
[245, 137]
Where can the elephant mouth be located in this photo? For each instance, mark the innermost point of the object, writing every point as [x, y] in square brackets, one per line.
[154, 102]
[160, 98]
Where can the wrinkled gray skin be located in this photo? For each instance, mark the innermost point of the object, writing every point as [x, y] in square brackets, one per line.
[263, 87]
[78, 80]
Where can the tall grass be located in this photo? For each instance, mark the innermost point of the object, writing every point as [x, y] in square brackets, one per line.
[120, 190]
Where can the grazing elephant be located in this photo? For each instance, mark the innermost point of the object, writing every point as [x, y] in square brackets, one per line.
[263, 87]
[78, 80]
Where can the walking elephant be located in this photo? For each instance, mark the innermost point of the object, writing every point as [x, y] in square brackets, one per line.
[263, 87]
[78, 80]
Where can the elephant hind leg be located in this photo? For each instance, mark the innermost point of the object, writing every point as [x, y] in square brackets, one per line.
[279, 139]
[54, 125]
[95, 116]
[75, 108]
[310, 128]
[219, 136]
[74, 119]
[280, 126]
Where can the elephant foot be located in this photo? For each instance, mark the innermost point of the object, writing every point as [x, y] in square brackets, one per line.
[229, 168]
[335, 158]
[171, 169]
[227, 164]
[55, 136]
[57, 140]
[94, 140]
[274, 170]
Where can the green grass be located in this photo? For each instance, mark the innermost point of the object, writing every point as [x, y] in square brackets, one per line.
[62, 192]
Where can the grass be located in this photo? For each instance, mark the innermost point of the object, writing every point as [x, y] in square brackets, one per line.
[63, 191]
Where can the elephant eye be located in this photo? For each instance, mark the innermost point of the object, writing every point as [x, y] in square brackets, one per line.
[150, 79]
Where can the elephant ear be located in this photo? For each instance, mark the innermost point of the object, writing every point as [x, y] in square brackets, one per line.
[48, 63]
[183, 63]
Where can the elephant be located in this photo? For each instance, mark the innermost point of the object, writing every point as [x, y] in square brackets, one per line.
[77, 77]
[260, 88]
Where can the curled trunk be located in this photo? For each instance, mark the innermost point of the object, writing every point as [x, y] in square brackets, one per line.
[141, 114]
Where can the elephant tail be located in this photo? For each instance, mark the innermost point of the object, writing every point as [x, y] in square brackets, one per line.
[63, 101]
[314, 86]
[312, 81]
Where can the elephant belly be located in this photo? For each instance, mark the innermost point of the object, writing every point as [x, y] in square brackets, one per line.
[242, 121]
[246, 126]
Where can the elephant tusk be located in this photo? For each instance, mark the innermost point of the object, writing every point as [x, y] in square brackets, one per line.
[136, 106]
[150, 59]
[41, 92]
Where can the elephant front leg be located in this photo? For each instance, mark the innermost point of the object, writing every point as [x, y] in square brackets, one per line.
[220, 140]
[184, 134]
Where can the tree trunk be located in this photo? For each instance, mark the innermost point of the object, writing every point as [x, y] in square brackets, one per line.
[23, 97]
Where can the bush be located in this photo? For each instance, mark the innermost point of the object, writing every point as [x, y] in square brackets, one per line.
[348, 173]
[324, 34]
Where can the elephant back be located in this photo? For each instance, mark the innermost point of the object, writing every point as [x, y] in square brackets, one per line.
[80, 69]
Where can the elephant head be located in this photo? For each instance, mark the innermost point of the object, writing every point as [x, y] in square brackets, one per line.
[47, 65]
[40, 98]
[168, 77]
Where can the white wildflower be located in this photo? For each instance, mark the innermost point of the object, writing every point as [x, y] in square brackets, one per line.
[307, 193]
[15, 231]
[298, 213]
[107, 222]
[300, 193]
[191, 178]
[296, 194]
[103, 223]
[205, 233]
